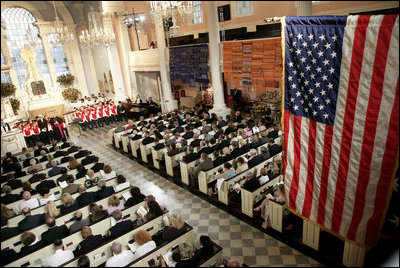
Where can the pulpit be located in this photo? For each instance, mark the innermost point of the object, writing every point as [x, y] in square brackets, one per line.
[13, 142]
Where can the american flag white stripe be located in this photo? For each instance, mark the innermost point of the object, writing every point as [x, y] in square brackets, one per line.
[339, 117]
[290, 157]
[319, 150]
[359, 123]
[303, 163]
[389, 92]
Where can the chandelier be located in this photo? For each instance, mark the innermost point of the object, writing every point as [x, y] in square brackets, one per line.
[60, 31]
[168, 9]
[32, 39]
[96, 35]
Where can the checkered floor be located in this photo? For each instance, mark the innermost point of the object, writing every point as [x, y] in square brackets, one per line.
[239, 239]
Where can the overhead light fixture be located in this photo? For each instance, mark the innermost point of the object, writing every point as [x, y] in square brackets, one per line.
[60, 31]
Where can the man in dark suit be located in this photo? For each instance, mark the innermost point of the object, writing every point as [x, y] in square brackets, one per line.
[45, 183]
[221, 122]
[64, 176]
[58, 152]
[8, 165]
[39, 149]
[264, 153]
[273, 147]
[89, 158]
[172, 150]
[9, 198]
[251, 183]
[147, 139]
[55, 170]
[89, 242]
[12, 182]
[97, 166]
[120, 227]
[5, 127]
[26, 162]
[191, 156]
[158, 145]
[30, 220]
[204, 149]
[42, 124]
[54, 232]
[104, 191]
[65, 158]
[188, 133]
[28, 239]
[85, 198]
[80, 154]
[204, 164]
[73, 148]
[254, 159]
[65, 144]
[177, 127]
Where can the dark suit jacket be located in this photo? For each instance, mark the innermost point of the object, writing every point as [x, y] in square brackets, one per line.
[228, 130]
[58, 154]
[10, 198]
[46, 183]
[97, 167]
[274, 149]
[29, 249]
[65, 159]
[121, 228]
[136, 137]
[80, 154]
[8, 256]
[206, 150]
[35, 178]
[188, 135]
[26, 162]
[202, 254]
[37, 151]
[54, 233]
[81, 174]
[174, 152]
[30, 221]
[91, 242]
[147, 140]
[54, 171]
[159, 146]
[179, 129]
[43, 159]
[222, 123]
[190, 157]
[10, 167]
[195, 143]
[254, 161]
[223, 144]
[251, 184]
[65, 210]
[88, 160]
[105, 192]
[14, 184]
[65, 145]
[134, 200]
[218, 161]
[86, 198]
[72, 149]
[273, 134]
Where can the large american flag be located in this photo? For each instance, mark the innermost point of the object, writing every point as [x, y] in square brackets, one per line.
[341, 120]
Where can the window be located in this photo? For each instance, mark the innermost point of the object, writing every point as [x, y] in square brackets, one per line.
[197, 12]
[5, 77]
[18, 20]
[3, 60]
[243, 8]
[59, 57]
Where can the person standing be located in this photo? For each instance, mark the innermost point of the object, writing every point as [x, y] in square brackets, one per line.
[5, 127]
[121, 111]
[42, 123]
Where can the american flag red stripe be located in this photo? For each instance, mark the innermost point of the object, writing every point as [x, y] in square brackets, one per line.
[370, 127]
[347, 131]
[346, 190]
[388, 163]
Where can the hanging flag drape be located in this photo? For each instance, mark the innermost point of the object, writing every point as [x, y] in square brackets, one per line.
[341, 120]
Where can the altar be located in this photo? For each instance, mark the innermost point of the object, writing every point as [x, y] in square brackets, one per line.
[13, 142]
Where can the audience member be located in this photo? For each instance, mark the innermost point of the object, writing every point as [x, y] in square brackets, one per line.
[91, 179]
[121, 184]
[51, 209]
[68, 203]
[85, 198]
[88, 243]
[79, 223]
[145, 243]
[54, 232]
[9, 198]
[107, 173]
[28, 202]
[104, 191]
[31, 243]
[136, 197]
[97, 213]
[46, 196]
[72, 187]
[121, 226]
[120, 257]
[60, 256]
[114, 204]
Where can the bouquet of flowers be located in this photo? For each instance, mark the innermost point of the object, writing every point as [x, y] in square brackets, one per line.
[66, 80]
[71, 94]
[7, 89]
[15, 105]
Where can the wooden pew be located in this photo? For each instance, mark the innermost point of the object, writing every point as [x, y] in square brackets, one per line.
[223, 193]
[276, 215]
[103, 253]
[72, 241]
[250, 198]
[15, 243]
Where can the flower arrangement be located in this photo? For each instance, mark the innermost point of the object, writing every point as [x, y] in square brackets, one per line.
[15, 105]
[66, 80]
[7, 89]
[71, 94]
[262, 108]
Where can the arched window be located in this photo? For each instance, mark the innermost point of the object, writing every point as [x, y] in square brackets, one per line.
[59, 56]
[17, 22]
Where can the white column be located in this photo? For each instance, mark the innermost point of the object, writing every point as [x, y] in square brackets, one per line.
[219, 107]
[304, 8]
[169, 103]
[115, 66]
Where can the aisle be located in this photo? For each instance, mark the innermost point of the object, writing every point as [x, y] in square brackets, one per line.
[239, 239]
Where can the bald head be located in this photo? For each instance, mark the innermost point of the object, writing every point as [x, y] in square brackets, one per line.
[82, 188]
[26, 195]
[116, 248]
[233, 263]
